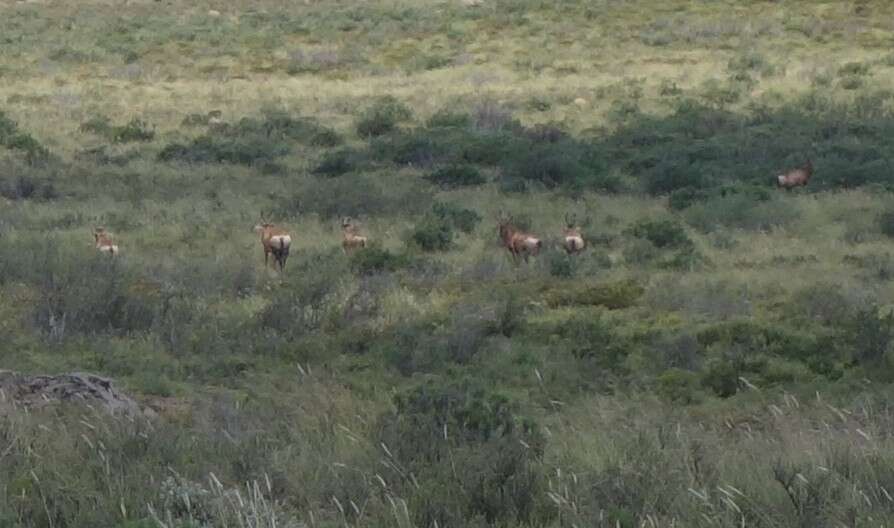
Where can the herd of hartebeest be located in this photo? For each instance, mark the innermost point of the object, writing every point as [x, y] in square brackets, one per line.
[520, 244]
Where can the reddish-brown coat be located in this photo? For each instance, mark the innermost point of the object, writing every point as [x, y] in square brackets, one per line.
[519, 243]
[795, 177]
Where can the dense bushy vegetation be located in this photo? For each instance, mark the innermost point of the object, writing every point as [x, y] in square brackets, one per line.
[719, 355]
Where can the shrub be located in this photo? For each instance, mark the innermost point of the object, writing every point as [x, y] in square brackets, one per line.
[382, 117]
[278, 125]
[662, 233]
[433, 234]
[249, 151]
[853, 68]
[14, 139]
[99, 125]
[751, 61]
[28, 187]
[456, 176]
[374, 259]
[447, 118]
[135, 130]
[869, 334]
[415, 148]
[498, 449]
[886, 223]
[722, 377]
[740, 211]
[678, 385]
[680, 199]
[565, 163]
[252, 142]
[561, 265]
[612, 295]
[852, 82]
[457, 217]
[339, 162]
[666, 177]
[359, 195]
[669, 88]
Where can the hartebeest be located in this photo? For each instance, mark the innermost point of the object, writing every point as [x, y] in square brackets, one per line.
[572, 239]
[351, 240]
[795, 177]
[275, 240]
[104, 241]
[516, 241]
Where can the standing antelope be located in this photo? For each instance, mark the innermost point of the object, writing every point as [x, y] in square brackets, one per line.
[350, 239]
[795, 177]
[276, 241]
[519, 243]
[572, 240]
[104, 241]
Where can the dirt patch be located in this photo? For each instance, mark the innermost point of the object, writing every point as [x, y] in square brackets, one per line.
[31, 392]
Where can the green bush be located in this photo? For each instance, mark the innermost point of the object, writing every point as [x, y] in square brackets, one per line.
[886, 223]
[251, 141]
[457, 217]
[662, 233]
[561, 265]
[722, 377]
[684, 197]
[135, 130]
[498, 449]
[448, 118]
[339, 162]
[382, 117]
[374, 259]
[869, 334]
[359, 195]
[854, 68]
[432, 234]
[21, 182]
[678, 385]
[613, 295]
[456, 176]
[740, 211]
[11, 137]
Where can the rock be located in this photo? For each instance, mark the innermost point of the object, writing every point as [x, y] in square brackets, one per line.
[40, 391]
[580, 101]
[213, 13]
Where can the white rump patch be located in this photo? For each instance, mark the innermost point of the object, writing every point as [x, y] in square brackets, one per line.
[109, 249]
[781, 179]
[574, 242]
[281, 241]
[531, 243]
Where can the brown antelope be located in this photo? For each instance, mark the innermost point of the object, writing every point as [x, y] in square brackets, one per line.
[276, 241]
[350, 239]
[519, 243]
[104, 241]
[572, 239]
[795, 177]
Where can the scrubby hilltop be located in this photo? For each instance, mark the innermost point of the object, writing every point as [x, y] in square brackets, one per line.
[719, 354]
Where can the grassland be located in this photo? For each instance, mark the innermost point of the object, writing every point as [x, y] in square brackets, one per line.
[721, 355]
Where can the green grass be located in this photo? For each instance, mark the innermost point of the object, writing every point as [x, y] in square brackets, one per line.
[719, 355]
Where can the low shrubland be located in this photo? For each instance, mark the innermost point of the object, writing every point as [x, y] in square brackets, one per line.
[427, 378]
